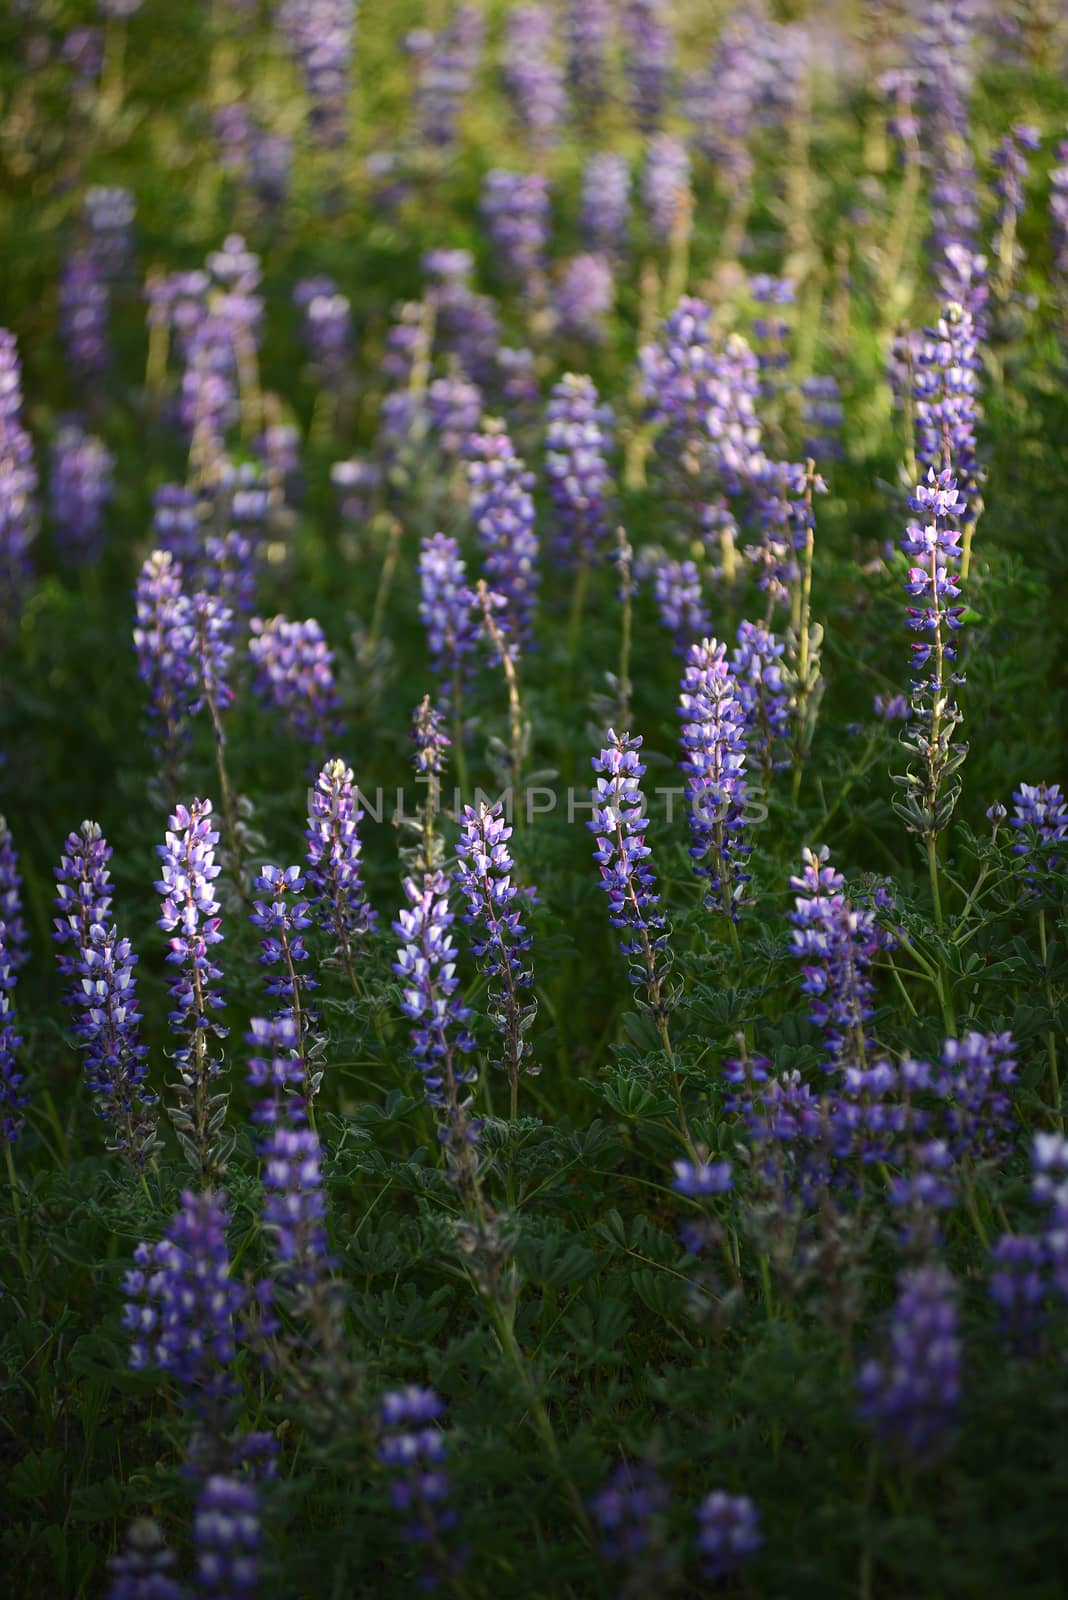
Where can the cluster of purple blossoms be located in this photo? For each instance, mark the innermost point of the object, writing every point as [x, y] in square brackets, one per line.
[327, 327]
[502, 509]
[532, 74]
[189, 912]
[944, 55]
[276, 1070]
[294, 674]
[484, 874]
[583, 297]
[143, 1570]
[466, 324]
[319, 36]
[977, 1077]
[1010, 161]
[627, 1512]
[1058, 216]
[728, 1533]
[83, 50]
[18, 482]
[283, 917]
[620, 825]
[837, 942]
[357, 483]
[515, 208]
[648, 59]
[680, 602]
[446, 66]
[12, 1100]
[295, 1207]
[446, 607]
[83, 898]
[108, 1034]
[335, 869]
[412, 1450]
[714, 762]
[822, 416]
[108, 212]
[578, 436]
[16, 937]
[587, 31]
[911, 1396]
[81, 488]
[426, 966]
[771, 330]
[454, 409]
[1040, 817]
[606, 202]
[698, 1180]
[761, 688]
[666, 186]
[227, 1538]
[945, 393]
[84, 310]
[163, 659]
[177, 523]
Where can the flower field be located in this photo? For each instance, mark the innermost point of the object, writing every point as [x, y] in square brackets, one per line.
[533, 863]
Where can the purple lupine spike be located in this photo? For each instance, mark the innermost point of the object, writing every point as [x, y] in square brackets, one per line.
[728, 1533]
[446, 607]
[12, 1100]
[231, 574]
[648, 59]
[976, 1082]
[578, 436]
[606, 201]
[182, 1304]
[276, 1071]
[143, 1569]
[627, 1511]
[163, 658]
[502, 510]
[335, 868]
[1049, 1187]
[226, 1539]
[911, 1396]
[319, 35]
[412, 1450]
[83, 50]
[357, 483]
[16, 935]
[714, 761]
[233, 129]
[177, 518]
[426, 966]
[295, 1207]
[81, 488]
[294, 674]
[109, 212]
[446, 71]
[532, 74]
[454, 407]
[697, 1180]
[500, 941]
[109, 1037]
[625, 860]
[18, 483]
[837, 941]
[1040, 817]
[206, 634]
[430, 739]
[587, 31]
[945, 392]
[944, 57]
[283, 916]
[85, 311]
[583, 297]
[466, 324]
[83, 898]
[515, 208]
[517, 379]
[1058, 216]
[1011, 164]
[1017, 1286]
[680, 602]
[327, 327]
[822, 416]
[757, 666]
[666, 185]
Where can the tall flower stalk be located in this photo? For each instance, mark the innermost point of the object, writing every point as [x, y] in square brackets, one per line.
[714, 761]
[335, 867]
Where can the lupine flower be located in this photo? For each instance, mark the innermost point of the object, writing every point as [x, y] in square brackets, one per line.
[979, 1071]
[446, 70]
[446, 607]
[531, 73]
[605, 198]
[84, 309]
[770, 328]
[837, 941]
[108, 1034]
[944, 54]
[142, 1571]
[515, 208]
[945, 388]
[176, 523]
[335, 869]
[648, 59]
[182, 1305]
[465, 324]
[426, 966]
[319, 36]
[677, 589]
[891, 707]
[109, 212]
[822, 417]
[714, 761]
[502, 510]
[327, 317]
[625, 860]
[762, 692]
[163, 659]
[1049, 1186]
[276, 1070]
[578, 435]
[357, 483]
[226, 1539]
[412, 1450]
[18, 482]
[12, 1100]
[83, 49]
[699, 1179]
[1010, 161]
[16, 937]
[728, 1533]
[454, 407]
[485, 876]
[295, 1208]
[1058, 215]
[83, 898]
[294, 674]
[232, 571]
[282, 916]
[666, 185]
[911, 1396]
[587, 30]
[81, 489]
[583, 297]
[627, 1511]
[518, 379]
[1017, 1286]
[206, 634]
[1040, 817]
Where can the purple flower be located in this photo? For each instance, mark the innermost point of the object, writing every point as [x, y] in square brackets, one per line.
[454, 408]
[605, 198]
[335, 868]
[945, 390]
[531, 73]
[911, 1396]
[762, 692]
[18, 483]
[578, 436]
[426, 966]
[697, 1180]
[445, 70]
[294, 674]
[283, 917]
[226, 1539]
[412, 1450]
[979, 1071]
[648, 59]
[714, 760]
[277, 1066]
[1040, 817]
[466, 324]
[515, 208]
[1011, 164]
[16, 937]
[677, 588]
[81, 489]
[108, 1034]
[666, 186]
[446, 608]
[319, 35]
[583, 297]
[627, 1511]
[587, 29]
[177, 524]
[728, 1533]
[327, 318]
[142, 1571]
[295, 1207]
[12, 1099]
[1017, 1286]
[1058, 215]
[357, 483]
[163, 658]
[837, 942]
[625, 860]
[83, 898]
[84, 310]
[502, 510]
[109, 213]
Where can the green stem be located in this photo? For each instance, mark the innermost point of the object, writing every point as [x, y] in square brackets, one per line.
[16, 1206]
[932, 867]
